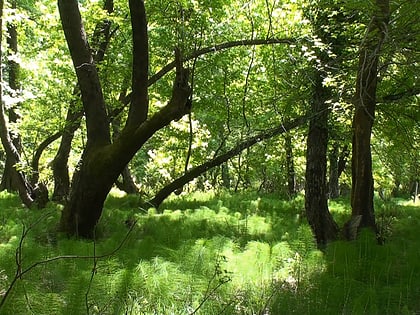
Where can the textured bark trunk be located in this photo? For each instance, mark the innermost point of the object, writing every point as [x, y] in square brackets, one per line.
[90, 186]
[102, 161]
[17, 179]
[364, 115]
[323, 225]
[362, 180]
[100, 39]
[60, 162]
[7, 182]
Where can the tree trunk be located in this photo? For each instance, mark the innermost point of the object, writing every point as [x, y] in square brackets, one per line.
[60, 162]
[333, 183]
[18, 179]
[290, 166]
[198, 170]
[37, 156]
[323, 225]
[127, 183]
[103, 161]
[7, 182]
[364, 115]
[101, 38]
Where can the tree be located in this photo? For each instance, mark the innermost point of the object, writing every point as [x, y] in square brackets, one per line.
[100, 38]
[13, 85]
[15, 177]
[364, 102]
[316, 190]
[102, 161]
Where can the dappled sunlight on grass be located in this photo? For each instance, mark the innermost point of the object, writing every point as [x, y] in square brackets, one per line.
[217, 254]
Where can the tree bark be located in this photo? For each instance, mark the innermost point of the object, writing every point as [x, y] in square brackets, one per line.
[102, 162]
[333, 182]
[198, 170]
[319, 217]
[101, 38]
[7, 182]
[290, 166]
[60, 162]
[18, 178]
[364, 115]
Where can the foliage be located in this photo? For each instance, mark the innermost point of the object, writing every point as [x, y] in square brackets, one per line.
[209, 254]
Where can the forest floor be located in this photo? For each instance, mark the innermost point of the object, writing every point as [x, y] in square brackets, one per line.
[207, 254]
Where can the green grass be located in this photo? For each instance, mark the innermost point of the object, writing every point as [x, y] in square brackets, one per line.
[210, 254]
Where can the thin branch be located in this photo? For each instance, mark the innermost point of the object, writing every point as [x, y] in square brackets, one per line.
[20, 272]
[223, 46]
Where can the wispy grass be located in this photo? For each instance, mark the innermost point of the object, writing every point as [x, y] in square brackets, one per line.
[210, 254]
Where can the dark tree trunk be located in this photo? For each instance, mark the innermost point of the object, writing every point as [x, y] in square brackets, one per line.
[100, 39]
[364, 115]
[102, 162]
[17, 178]
[199, 170]
[319, 217]
[290, 166]
[127, 183]
[7, 182]
[333, 182]
[323, 225]
[60, 162]
[37, 156]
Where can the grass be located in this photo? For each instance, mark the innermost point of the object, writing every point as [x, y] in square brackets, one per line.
[209, 254]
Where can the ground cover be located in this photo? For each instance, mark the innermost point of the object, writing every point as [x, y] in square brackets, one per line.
[207, 253]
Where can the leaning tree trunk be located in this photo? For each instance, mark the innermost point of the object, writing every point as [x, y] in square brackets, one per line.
[364, 115]
[60, 162]
[222, 158]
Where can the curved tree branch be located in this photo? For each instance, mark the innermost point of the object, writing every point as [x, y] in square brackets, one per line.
[219, 47]
[198, 170]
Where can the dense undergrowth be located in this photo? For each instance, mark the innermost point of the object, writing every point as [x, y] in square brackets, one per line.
[208, 254]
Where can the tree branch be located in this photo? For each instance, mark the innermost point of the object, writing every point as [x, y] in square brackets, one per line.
[223, 46]
[139, 99]
[87, 74]
[198, 170]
